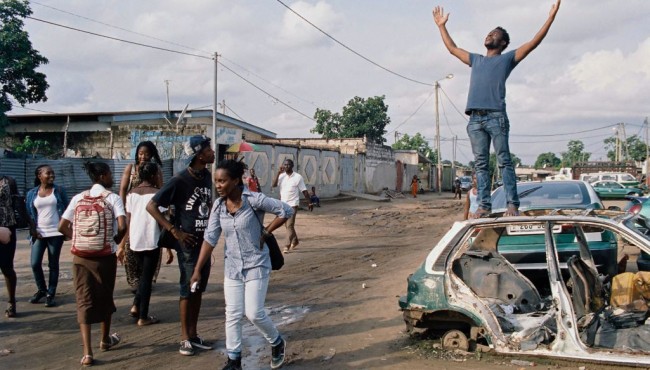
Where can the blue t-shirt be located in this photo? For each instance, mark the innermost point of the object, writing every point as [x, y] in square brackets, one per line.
[487, 84]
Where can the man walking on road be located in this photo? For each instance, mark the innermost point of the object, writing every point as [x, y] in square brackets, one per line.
[486, 105]
[291, 185]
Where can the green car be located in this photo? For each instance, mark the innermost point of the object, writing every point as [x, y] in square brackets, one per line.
[613, 189]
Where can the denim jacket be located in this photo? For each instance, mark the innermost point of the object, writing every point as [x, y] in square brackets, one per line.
[61, 203]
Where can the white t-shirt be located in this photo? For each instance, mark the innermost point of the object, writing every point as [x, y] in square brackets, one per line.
[290, 188]
[113, 199]
[48, 216]
[144, 231]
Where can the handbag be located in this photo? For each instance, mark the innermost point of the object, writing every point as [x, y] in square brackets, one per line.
[167, 239]
[277, 259]
[20, 211]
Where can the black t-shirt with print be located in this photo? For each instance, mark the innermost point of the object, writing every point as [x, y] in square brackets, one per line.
[192, 201]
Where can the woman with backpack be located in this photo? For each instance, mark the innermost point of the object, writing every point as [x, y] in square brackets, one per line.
[45, 205]
[239, 214]
[94, 245]
[142, 239]
[145, 152]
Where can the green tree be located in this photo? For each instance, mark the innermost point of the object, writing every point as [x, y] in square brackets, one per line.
[575, 153]
[416, 142]
[18, 60]
[360, 118]
[633, 146]
[516, 162]
[549, 159]
[33, 147]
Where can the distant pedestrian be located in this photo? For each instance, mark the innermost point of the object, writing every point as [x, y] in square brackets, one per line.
[145, 152]
[313, 198]
[190, 193]
[46, 203]
[457, 190]
[291, 185]
[415, 184]
[94, 264]
[486, 104]
[238, 214]
[471, 201]
[143, 234]
[8, 189]
[253, 181]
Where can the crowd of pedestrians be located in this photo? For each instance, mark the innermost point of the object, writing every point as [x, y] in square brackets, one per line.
[133, 227]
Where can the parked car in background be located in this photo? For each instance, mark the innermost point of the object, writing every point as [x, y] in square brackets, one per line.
[622, 178]
[525, 248]
[465, 183]
[467, 293]
[613, 190]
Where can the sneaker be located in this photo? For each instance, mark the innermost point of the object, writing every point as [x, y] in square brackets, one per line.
[233, 364]
[49, 301]
[37, 297]
[198, 342]
[186, 348]
[277, 354]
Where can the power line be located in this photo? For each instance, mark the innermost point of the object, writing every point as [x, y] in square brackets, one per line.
[563, 134]
[120, 28]
[350, 49]
[121, 40]
[412, 114]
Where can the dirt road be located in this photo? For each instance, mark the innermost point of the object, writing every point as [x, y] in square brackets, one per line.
[318, 300]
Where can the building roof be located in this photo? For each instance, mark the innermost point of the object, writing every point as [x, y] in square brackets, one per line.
[126, 117]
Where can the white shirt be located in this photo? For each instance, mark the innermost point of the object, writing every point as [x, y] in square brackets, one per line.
[291, 187]
[48, 216]
[144, 231]
[113, 199]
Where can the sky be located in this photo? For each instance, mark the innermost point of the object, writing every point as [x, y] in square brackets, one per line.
[590, 73]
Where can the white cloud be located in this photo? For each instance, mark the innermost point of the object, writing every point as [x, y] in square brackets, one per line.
[296, 33]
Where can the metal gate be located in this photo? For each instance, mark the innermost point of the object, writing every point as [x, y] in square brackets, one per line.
[347, 172]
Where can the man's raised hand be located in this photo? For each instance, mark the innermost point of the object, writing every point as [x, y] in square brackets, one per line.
[440, 17]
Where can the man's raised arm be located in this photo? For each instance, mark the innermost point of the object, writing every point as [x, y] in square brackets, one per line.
[526, 48]
[441, 19]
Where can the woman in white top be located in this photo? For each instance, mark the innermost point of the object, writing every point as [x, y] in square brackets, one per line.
[471, 202]
[45, 205]
[142, 239]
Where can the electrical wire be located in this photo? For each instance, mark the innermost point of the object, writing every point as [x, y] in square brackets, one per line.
[350, 49]
[120, 28]
[412, 114]
[121, 40]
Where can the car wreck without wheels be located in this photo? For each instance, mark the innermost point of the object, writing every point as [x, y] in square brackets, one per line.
[473, 298]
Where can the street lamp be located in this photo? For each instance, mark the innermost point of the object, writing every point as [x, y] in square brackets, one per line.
[439, 177]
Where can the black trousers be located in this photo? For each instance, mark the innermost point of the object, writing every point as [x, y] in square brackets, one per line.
[149, 261]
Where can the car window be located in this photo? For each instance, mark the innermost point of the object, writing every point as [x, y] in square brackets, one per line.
[549, 194]
[627, 177]
[608, 177]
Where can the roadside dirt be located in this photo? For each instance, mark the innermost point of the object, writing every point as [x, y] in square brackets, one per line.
[335, 301]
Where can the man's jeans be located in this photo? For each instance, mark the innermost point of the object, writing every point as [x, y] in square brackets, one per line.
[494, 127]
[246, 297]
[53, 246]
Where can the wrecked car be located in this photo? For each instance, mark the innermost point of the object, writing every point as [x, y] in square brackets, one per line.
[473, 298]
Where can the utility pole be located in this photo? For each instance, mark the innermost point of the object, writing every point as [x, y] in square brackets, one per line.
[167, 88]
[214, 119]
[647, 153]
[453, 161]
[439, 164]
[396, 136]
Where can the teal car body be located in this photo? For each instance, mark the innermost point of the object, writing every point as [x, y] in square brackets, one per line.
[614, 190]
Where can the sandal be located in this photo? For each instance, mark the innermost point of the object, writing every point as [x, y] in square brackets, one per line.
[148, 321]
[87, 360]
[134, 312]
[11, 310]
[114, 340]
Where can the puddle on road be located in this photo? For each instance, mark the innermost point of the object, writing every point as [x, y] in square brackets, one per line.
[255, 347]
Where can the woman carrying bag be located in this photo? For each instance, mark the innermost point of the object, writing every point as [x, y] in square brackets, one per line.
[239, 214]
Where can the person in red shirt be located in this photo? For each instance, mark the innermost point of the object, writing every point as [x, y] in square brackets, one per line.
[253, 181]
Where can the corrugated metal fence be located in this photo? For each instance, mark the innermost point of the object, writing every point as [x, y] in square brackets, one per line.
[69, 172]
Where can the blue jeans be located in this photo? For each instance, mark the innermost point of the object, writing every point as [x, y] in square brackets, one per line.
[482, 129]
[53, 246]
[246, 297]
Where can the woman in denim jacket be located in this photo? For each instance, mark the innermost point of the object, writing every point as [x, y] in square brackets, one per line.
[46, 202]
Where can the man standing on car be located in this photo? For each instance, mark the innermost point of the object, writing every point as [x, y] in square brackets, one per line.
[486, 104]
[190, 193]
[291, 185]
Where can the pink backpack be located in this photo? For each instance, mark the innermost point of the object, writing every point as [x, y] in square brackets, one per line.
[92, 228]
